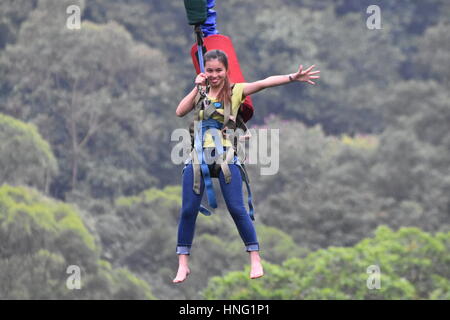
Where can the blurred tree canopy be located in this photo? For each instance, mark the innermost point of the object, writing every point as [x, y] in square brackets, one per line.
[40, 239]
[80, 85]
[336, 191]
[25, 157]
[86, 177]
[411, 264]
[139, 236]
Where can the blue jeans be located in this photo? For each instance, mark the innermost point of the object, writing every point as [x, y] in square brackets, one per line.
[232, 194]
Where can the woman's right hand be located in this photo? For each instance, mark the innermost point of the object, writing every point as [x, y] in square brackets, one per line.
[201, 79]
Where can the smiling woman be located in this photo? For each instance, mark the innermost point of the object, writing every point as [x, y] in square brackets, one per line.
[224, 43]
[220, 106]
[216, 71]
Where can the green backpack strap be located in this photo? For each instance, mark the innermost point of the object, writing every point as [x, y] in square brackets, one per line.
[229, 155]
[196, 171]
[209, 111]
[226, 112]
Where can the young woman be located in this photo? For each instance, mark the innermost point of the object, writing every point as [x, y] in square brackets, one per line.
[216, 74]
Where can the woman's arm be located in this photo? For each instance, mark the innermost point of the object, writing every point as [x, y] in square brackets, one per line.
[273, 81]
[187, 103]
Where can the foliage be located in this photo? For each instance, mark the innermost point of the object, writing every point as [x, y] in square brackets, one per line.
[412, 264]
[141, 236]
[101, 92]
[40, 238]
[336, 191]
[86, 117]
[25, 157]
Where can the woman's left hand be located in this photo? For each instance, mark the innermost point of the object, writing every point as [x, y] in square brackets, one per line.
[306, 75]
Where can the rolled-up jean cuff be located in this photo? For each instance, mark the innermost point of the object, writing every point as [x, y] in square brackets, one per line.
[252, 247]
[183, 250]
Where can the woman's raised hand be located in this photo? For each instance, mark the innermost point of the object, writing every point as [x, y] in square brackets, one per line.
[201, 79]
[306, 75]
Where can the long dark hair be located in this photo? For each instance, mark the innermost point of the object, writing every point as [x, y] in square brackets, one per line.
[225, 93]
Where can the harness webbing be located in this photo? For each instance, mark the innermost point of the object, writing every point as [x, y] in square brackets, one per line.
[202, 127]
[200, 162]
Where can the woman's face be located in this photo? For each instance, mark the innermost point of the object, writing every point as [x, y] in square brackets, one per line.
[216, 72]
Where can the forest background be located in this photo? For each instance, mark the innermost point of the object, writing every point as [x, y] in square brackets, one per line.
[86, 177]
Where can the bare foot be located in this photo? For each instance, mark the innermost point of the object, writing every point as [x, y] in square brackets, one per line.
[256, 268]
[183, 269]
[182, 274]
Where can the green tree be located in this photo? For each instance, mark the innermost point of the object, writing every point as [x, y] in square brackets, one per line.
[40, 238]
[140, 232]
[323, 196]
[411, 164]
[412, 264]
[350, 91]
[432, 54]
[25, 157]
[95, 97]
[12, 14]
[333, 191]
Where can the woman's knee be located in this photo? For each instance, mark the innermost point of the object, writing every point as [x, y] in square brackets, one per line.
[237, 210]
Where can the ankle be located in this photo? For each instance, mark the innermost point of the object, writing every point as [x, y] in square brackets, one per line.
[183, 258]
[254, 256]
